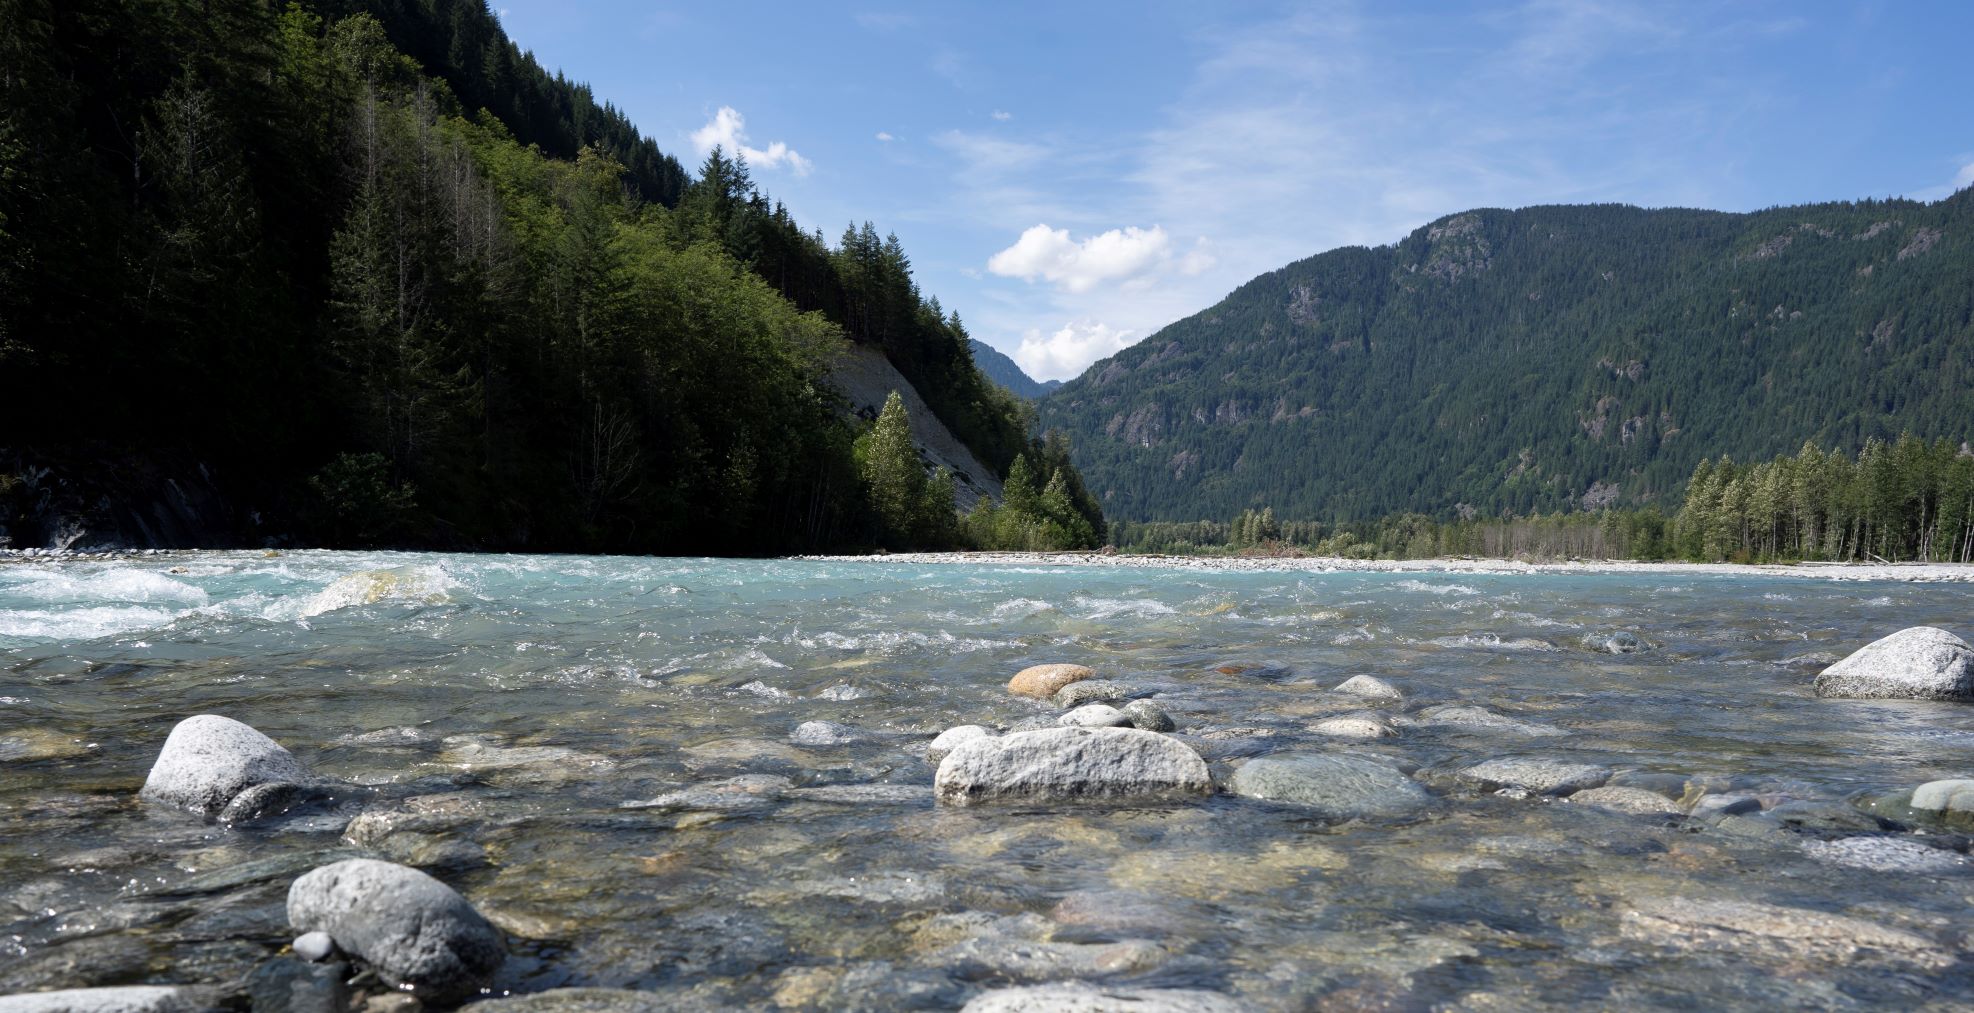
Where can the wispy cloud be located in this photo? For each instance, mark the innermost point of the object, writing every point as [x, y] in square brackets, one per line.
[728, 130]
[1961, 180]
[885, 136]
[1002, 115]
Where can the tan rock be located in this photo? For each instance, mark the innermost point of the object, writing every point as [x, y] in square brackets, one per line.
[1044, 680]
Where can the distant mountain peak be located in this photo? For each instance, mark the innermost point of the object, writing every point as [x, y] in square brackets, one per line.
[1003, 370]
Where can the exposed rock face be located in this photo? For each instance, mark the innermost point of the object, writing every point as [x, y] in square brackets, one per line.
[1077, 997]
[414, 930]
[127, 999]
[1045, 681]
[865, 378]
[1070, 763]
[1921, 663]
[1336, 786]
[1543, 776]
[207, 761]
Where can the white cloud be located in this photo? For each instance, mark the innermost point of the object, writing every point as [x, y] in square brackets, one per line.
[883, 136]
[1069, 350]
[1003, 115]
[1119, 254]
[1961, 180]
[728, 130]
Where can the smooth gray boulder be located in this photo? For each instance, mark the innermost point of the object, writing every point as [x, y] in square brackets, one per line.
[1070, 763]
[1542, 776]
[1076, 694]
[951, 738]
[1148, 716]
[1337, 786]
[207, 761]
[124, 999]
[1921, 663]
[1076, 997]
[1095, 715]
[1354, 726]
[1370, 687]
[416, 932]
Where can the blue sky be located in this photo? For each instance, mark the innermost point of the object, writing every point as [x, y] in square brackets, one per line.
[1072, 176]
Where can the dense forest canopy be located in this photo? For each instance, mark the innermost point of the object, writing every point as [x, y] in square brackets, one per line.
[394, 282]
[1551, 359]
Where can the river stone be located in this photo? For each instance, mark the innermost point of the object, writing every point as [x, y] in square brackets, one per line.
[418, 933]
[1921, 663]
[1370, 687]
[1094, 715]
[951, 738]
[1480, 719]
[1354, 727]
[1887, 854]
[1953, 798]
[1045, 681]
[1799, 935]
[1148, 716]
[207, 760]
[1636, 801]
[313, 946]
[1336, 786]
[1725, 805]
[1077, 997]
[124, 999]
[577, 1000]
[1061, 763]
[1542, 776]
[825, 733]
[1076, 694]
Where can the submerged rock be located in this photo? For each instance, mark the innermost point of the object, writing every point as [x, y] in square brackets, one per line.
[26, 745]
[1045, 681]
[1077, 694]
[416, 932]
[1077, 997]
[1921, 663]
[1771, 931]
[1637, 801]
[951, 738]
[125, 999]
[1888, 854]
[1094, 715]
[1480, 720]
[1337, 787]
[208, 761]
[577, 1000]
[825, 733]
[1370, 687]
[1066, 763]
[1148, 716]
[1354, 726]
[1542, 776]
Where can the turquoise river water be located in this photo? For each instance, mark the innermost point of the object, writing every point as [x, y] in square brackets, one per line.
[501, 710]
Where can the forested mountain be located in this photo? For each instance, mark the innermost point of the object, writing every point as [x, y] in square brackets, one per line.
[1004, 371]
[1552, 358]
[366, 273]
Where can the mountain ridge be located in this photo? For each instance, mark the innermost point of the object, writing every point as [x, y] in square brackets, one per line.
[1538, 359]
[998, 367]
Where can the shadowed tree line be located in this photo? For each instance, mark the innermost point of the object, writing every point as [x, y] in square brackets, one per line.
[439, 298]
